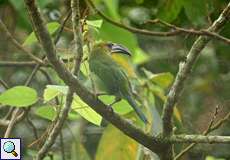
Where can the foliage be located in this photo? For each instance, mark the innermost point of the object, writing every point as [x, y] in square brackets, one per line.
[151, 70]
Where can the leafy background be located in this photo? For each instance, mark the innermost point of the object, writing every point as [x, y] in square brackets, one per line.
[154, 60]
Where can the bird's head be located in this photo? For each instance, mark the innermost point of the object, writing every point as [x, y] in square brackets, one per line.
[113, 48]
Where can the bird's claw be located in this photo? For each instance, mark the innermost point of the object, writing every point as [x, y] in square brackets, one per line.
[110, 109]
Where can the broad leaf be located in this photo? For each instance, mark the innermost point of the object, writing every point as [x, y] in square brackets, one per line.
[196, 11]
[85, 111]
[122, 147]
[170, 9]
[46, 112]
[95, 23]
[112, 8]
[52, 27]
[19, 96]
[161, 79]
[121, 107]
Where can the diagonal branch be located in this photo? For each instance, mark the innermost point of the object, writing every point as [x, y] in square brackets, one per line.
[69, 98]
[185, 69]
[183, 73]
[17, 44]
[153, 143]
[83, 92]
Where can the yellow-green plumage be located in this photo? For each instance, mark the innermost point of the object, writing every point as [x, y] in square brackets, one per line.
[112, 75]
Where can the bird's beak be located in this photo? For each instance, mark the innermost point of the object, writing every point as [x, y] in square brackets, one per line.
[116, 48]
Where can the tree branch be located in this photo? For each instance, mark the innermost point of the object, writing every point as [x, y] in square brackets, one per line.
[210, 128]
[132, 29]
[185, 69]
[153, 143]
[17, 44]
[183, 73]
[177, 30]
[83, 92]
[202, 32]
[69, 98]
[19, 64]
[14, 120]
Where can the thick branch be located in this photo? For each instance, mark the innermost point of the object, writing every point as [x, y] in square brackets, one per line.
[153, 143]
[69, 98]
[83, 92]
[185, 69]
[77, 31]
[199, 139]
[183, 73]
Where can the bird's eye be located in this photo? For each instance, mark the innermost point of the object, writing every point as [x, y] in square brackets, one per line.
[110, 45]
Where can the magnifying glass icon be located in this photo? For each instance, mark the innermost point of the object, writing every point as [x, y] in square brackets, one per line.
[9, 147]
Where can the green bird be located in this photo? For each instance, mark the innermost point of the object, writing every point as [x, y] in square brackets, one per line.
[112, 74]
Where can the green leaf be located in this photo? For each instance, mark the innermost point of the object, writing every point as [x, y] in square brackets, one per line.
[112, 8]
[163, 79]
[19, 96]
[47, 112]
[73, 115]
[109, 32]
[52, 91]
[22, 19]
[213, 158]
[122, 146]
[52, 27]
[85, 111]
[58, 88]
[121, 107]
[170, 9]
[95, 23]
[49, 94]
[140, 56]
[196, 11]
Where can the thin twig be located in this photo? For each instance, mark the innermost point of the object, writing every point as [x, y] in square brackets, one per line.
[17, 44]
[202, 32]
[176, 30]
[132, 29]
[62, 146]
[207, 131]
[11, 123]
[34, 129]
[19, 64]
[4, 84]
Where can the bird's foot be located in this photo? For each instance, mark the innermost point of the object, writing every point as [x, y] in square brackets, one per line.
[96, 95]
[110, 108]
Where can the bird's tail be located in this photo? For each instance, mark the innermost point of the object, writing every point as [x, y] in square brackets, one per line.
[135, 106]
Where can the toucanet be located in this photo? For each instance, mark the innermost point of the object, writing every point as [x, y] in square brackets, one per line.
[111, 73]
